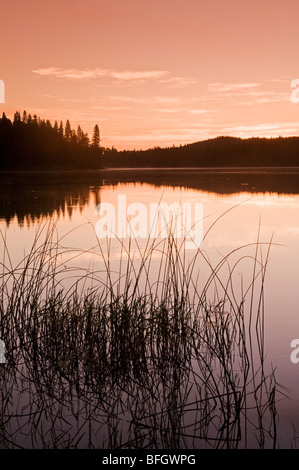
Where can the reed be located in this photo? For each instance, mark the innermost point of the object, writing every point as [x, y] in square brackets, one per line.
[143, 356]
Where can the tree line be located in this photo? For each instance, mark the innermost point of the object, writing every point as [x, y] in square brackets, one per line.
[218, 152]
[29, 142]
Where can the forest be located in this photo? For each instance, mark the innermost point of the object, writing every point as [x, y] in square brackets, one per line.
[29, 142]
[218, 152]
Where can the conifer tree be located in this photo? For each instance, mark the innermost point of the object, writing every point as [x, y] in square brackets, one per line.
[61, 130]
[96, 137]
[17, 117]
[68, 131]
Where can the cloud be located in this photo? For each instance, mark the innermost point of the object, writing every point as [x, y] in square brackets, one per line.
[105, 107]
[231, 87]
[168, 110]
[167, 100]
[128, 99]
[276, 128]
[84, 74]
[179, 81]
[199, 111]
[160, 76]
[280, 80]
[262, 97]
[244, 94]
[229, 91]
[135, 75]
[161, 100]
[71, 74]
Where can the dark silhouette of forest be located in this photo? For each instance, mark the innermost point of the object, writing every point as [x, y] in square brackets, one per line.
[29, 142]
[218, 152]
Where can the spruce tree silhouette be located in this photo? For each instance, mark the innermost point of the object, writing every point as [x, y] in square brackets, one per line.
[33, 143]
[96, 137]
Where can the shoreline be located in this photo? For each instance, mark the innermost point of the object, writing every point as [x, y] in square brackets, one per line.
[202, 170]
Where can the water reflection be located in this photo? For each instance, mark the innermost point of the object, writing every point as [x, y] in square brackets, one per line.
[34, 195]
[24, 201]
[130, 368]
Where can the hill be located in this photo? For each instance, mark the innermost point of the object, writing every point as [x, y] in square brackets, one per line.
[218, 152]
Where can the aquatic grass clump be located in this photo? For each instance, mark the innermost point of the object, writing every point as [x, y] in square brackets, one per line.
[149, 355]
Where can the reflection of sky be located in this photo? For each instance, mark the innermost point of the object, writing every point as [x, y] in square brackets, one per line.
[277, 215]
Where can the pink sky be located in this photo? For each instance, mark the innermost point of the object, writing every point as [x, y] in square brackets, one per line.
[157, 72]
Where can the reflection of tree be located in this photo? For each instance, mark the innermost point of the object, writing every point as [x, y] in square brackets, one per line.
[32, 195]
[222, 182]
[39, 195]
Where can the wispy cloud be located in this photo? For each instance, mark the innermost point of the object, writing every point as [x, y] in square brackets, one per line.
[229, 91]
[231, 87]
[280, 80]
[264, 129]
[262, 97]
[70, 74]
[167, 100]
[161, 76]
[128, 99]
[179, 81]
[199, 111]
[161, 100]
[168, 110]
[135, 75]
[244, 94]
[83, 74]
[105, 107]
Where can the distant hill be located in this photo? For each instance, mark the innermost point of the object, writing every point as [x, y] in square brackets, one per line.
[218, 152]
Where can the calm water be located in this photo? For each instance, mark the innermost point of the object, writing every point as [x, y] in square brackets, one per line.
[255, 206]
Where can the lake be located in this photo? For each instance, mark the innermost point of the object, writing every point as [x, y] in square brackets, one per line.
[248, 227]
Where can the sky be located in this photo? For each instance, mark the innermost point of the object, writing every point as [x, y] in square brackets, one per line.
[153, 72]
